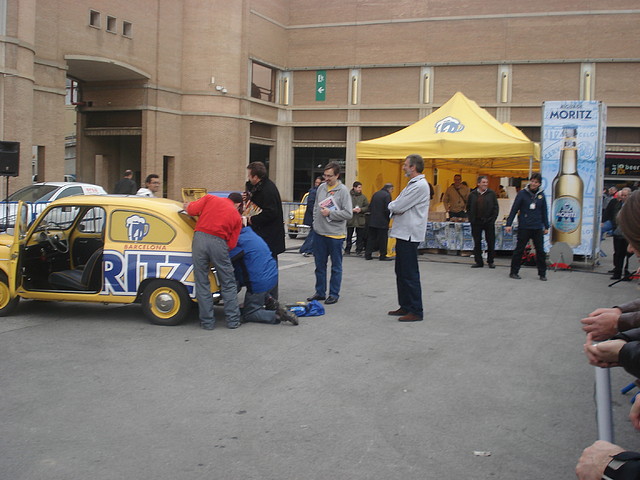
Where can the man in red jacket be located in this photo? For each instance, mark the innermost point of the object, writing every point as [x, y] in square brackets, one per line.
[216, 233]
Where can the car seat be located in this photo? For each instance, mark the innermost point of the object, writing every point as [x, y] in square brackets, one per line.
[84, 278]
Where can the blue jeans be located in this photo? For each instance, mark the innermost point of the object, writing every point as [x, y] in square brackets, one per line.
[408, 277]
[254, 311]
[307, 246]
[210, 250]
[323, 248]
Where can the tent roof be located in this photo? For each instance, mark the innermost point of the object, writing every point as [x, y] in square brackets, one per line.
[459, 135]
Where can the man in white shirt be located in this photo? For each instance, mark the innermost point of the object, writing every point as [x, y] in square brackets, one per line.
[409, 213]
[151, 186]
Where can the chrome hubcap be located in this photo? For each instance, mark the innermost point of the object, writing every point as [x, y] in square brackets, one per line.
[164, 303]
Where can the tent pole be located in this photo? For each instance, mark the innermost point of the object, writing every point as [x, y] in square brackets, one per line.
[530, 166]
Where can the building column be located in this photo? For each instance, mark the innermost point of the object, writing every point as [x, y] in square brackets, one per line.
[283, 156]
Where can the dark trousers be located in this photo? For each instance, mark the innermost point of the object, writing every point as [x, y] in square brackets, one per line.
[408, 277]
[377, 240]
[489, 229]
[359, 239]
[307, 246]
[620, 254]
[524, 235]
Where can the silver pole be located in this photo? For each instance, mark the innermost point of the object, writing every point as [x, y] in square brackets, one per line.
[603, 404]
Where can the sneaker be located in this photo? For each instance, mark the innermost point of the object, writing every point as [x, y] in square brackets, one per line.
[515, 276]
[233, 325]
[307, 254]
[543, 278]
[289, 316]
[206, 326]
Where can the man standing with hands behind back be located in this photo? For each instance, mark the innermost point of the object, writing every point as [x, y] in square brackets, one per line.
[409, 214]
[483, 210]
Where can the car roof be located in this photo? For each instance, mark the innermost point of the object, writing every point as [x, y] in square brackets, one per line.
[64, 184]
[159, 205]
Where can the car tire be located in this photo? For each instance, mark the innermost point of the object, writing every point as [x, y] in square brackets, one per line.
[7, 304]
[293, 235]
[165, 302]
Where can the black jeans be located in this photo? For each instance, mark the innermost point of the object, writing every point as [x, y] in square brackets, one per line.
[377, 240]
[408, 277]
[359, 239]
[620, 254]
[524, 235]
[489, 229]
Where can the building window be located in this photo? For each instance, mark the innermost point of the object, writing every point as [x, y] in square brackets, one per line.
[263, 82]
[94, 18]
[71, 97]
[111, 24]
[127, 29]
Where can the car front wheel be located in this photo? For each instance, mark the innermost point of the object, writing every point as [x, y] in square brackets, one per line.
[7, 304]
[165, 302]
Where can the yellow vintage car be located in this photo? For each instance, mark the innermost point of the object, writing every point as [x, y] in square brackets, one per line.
[295, 226]
[106, 249]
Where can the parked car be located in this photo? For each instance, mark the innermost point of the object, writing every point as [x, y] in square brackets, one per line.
[103, 249]
[295, 226]
[38, 195]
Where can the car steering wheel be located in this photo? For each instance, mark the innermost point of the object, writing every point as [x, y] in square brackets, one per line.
[58, 243]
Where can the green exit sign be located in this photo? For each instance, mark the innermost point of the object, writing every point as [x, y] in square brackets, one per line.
[321, 85]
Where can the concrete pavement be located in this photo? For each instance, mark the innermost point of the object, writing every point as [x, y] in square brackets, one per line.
[95, 392]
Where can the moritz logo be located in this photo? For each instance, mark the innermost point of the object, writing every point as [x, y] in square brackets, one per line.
[449, 125]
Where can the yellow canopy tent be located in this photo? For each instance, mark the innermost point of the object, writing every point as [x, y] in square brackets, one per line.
[459, 136]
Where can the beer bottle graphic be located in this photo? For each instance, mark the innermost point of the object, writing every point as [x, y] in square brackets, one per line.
[567, 191]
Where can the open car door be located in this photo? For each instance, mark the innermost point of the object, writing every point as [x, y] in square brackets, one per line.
[19, 238]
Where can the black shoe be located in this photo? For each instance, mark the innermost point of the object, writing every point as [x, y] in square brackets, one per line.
[515, 276]
[331, 300]
[616, 277]
[368, 258]
[492, 265]
[611, 271]
[543, 278]
[385, 259]
[315, 296]
[477, 265]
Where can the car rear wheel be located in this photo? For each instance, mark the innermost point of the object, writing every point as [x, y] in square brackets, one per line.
[293, 235]
[7, 304]
[165, 302]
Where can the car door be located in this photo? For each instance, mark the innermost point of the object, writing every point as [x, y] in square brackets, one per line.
[17, 247]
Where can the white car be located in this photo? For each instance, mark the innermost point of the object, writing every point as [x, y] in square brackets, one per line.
[38, 196]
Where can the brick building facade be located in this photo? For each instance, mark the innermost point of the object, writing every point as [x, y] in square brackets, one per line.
[194, 90]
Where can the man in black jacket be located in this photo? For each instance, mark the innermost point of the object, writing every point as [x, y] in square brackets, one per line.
[269, 223]
[378, 233]
[482, 208]
[620, 244]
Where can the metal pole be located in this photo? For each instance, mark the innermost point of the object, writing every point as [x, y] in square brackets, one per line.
[603, 404]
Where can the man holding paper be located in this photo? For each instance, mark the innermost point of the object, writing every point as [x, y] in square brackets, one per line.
[330, 214]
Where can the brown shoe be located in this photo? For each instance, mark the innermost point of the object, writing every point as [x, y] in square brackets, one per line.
[397, 313]
[410, 317]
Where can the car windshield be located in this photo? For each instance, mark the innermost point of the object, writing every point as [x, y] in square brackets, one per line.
[58, 218]
[34, 193]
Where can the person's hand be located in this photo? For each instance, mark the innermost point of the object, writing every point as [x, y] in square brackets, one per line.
[602, 323]
[594, 460]
[604, 354]
[634, 414]
[546, 230]
[325, 212]
[507, 229]
[185, 205]
[356, 210]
